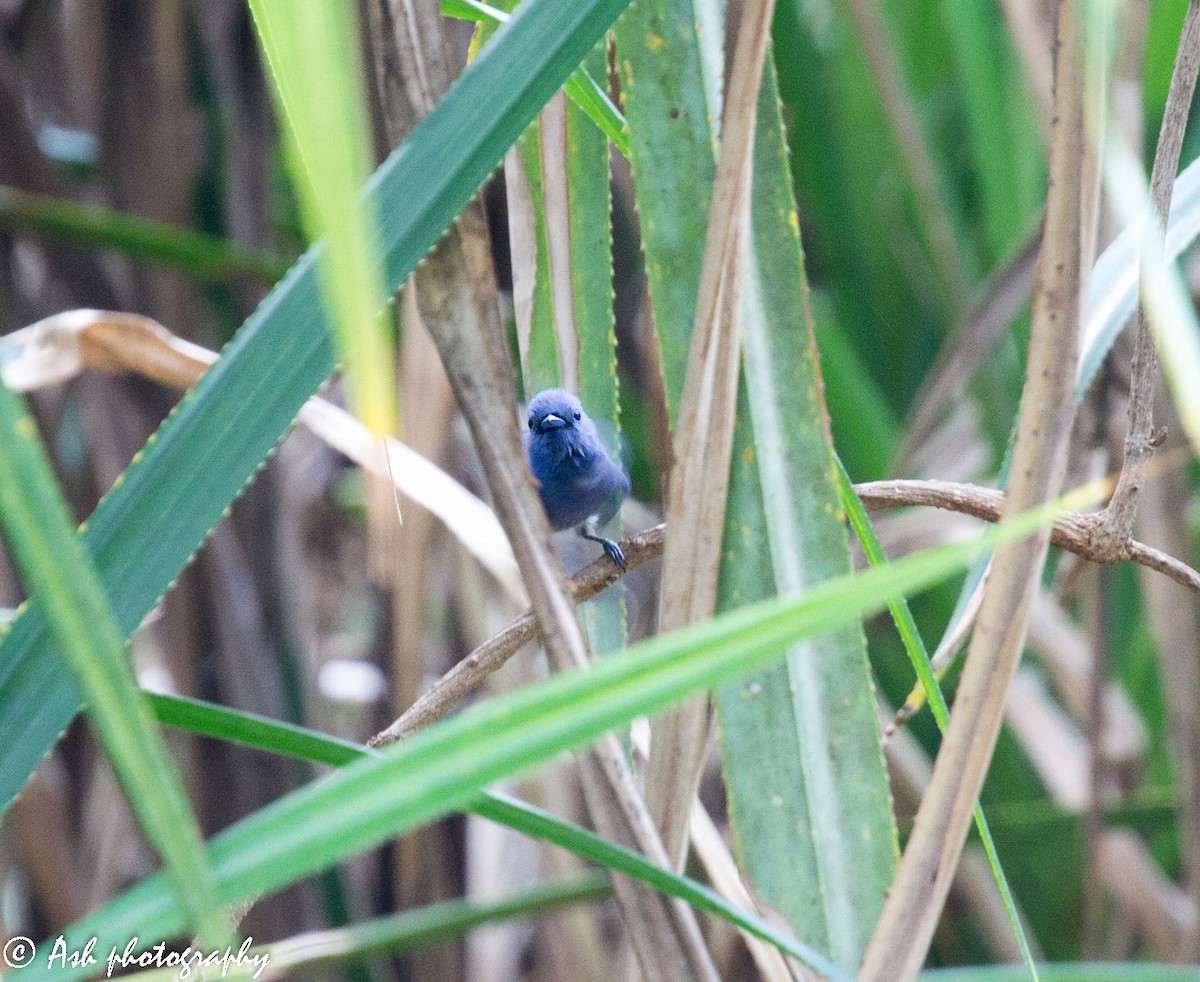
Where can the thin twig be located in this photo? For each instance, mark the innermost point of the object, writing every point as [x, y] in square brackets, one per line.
[1074, 532]
[1141, 440]
[1077, 532]
[470, 673]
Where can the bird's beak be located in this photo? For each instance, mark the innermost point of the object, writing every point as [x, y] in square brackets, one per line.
[550, 422]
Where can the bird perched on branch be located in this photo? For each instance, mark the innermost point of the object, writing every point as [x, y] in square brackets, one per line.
[581, 486]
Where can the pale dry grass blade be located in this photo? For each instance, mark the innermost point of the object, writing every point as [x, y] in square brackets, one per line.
[898, 948]
[700, 477]
[60, 347]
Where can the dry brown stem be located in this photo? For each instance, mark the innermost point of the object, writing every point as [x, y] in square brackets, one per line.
[699, 480]
[457, 299]
[910, 914]
[1141, 438]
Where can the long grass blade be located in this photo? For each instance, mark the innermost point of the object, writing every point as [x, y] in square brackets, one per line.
[61, 577]
[174, 492]
[379, 797]
[305, 744]
[312, 50]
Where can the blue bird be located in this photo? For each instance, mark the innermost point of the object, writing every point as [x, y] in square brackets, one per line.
[581, 486]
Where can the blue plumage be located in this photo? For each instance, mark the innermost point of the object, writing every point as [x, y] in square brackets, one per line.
[581, 486]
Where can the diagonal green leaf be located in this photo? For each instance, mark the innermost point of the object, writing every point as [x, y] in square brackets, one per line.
[405, 930]
[1069, 972]
[284, 738]
[445, 767]
[672, 116]
[146, 530]
[802, 758]
[61, 577]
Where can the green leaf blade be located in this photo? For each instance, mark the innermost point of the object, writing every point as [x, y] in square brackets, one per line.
[60, 575]
[382, 795]
[590, 229]
[311, 49]
[144, 532]
[829, 799]
[672, 157]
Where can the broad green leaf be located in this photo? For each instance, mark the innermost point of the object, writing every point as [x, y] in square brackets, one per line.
[445, 767]
[284, 738]
[803, 763]
[591, 273]
[312, 50]
[175, 490]
[142, 239]
[671, 121]
[591, 278]
[61, 577]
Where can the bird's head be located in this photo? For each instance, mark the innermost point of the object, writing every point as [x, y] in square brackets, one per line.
[558, 423]
[554, 409]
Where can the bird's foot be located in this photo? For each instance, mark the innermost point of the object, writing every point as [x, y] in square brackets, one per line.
[611, 549]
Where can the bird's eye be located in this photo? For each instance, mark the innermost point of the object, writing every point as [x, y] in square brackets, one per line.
[531, 422]
[577, 415]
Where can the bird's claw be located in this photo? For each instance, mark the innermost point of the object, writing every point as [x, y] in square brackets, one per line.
[613, 551]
